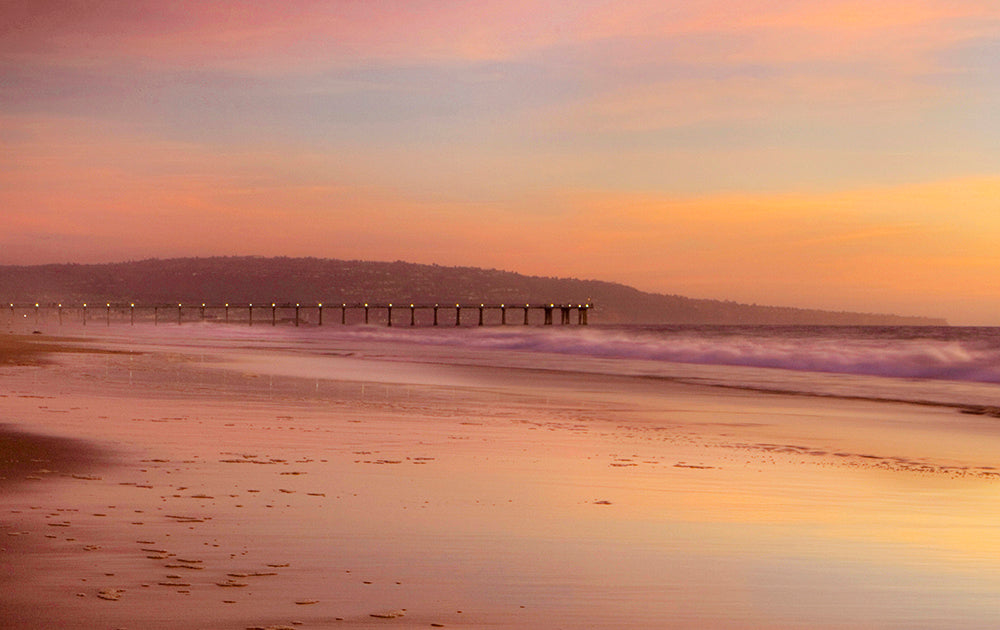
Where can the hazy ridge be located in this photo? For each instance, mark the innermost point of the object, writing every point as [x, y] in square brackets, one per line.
[311, 280]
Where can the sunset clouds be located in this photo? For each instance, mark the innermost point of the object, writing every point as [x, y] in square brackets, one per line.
[775, 152]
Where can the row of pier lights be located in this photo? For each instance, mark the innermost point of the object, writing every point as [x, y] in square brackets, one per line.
[548, 311]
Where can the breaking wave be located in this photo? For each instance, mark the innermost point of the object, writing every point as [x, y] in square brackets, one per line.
[960, 354]
[970, 355]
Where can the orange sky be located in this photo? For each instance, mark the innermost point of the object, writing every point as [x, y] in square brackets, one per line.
[829, 154]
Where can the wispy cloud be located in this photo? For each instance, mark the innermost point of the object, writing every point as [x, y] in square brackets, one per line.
[296, 33]
[769, 150]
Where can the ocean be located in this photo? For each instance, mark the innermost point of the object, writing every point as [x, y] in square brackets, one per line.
[947, 366]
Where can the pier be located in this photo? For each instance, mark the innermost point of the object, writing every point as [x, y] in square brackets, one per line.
[298, 314]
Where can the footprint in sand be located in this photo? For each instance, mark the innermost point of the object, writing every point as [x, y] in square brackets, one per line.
[392, 614]
[110, 594]
[231, 583]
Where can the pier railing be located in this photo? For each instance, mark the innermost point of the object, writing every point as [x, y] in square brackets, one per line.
[272, 313]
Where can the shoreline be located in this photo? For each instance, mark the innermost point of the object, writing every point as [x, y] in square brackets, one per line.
[360, 490]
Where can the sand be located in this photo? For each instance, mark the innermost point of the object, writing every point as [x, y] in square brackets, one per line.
[238, 484]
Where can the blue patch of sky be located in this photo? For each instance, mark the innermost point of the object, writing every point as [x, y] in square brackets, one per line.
[972, 72]
[384, 104]
[367, 96]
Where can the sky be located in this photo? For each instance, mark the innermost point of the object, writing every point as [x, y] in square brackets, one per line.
[835, 154]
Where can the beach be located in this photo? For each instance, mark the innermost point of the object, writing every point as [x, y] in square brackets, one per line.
[207, 476]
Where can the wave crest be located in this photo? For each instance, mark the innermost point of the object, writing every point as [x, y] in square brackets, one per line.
[930, 354]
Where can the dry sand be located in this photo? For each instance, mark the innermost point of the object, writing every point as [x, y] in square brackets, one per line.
[197, 488]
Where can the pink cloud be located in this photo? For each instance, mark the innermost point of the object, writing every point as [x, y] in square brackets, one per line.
[285, 35]
[277, 35]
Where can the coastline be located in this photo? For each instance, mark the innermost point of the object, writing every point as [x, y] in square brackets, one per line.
[364, 485]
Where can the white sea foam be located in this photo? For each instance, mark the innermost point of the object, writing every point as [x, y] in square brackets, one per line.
[951, 354]
[957, 354]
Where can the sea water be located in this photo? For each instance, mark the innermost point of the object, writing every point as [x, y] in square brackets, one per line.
[947, 366]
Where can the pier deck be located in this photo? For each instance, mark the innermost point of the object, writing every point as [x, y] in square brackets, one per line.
[318, 314]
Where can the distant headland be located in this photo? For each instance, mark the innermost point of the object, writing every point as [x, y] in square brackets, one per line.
[253, 279]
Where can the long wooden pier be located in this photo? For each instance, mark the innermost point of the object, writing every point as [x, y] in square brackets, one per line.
[273, 313]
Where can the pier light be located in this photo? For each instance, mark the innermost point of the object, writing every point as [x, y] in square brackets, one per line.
[227, 304]
[390, 304]
[84, 305]
[502, 305]
[481, 305]
[411, 305]
[108, 304]
[251, 303]
[457, 305]
[60, 305]
[273, 304]
[344, 304]
[320, 305]
[179, 305]
[296, 305]
[366, 304]
[203, 305]
[36, 304]
[132, 305]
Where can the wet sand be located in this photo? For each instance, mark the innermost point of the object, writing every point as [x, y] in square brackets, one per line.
[24, 454]
[229, 486]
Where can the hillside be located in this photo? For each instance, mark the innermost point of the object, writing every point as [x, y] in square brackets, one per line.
[310, 280]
